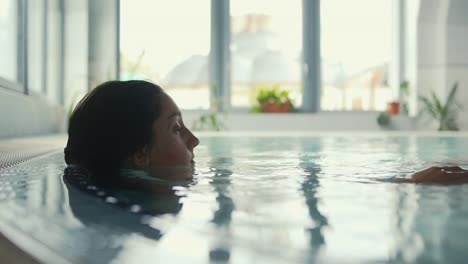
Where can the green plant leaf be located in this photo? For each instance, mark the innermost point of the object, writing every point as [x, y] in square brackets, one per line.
[404, 87]
[270, 94]
[383, 119]
[437, 104]
[255, 109]
[451, 98]
[137, 64]
[444, 114]
[208, 121]
[72, 105]
[429, 107]
[213, 121]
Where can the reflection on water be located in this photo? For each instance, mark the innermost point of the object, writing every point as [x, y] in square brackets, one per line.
[222, 216]
[310, 188]
[255, 199]
[430, 224]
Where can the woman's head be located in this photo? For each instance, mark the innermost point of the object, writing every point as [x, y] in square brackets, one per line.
[127, 124]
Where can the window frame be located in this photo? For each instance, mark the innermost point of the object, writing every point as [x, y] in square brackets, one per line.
[44, 48]
[220, 61]
[18, 84]
[11, 86]
[220, 57]
[311, 62]
[21, 84]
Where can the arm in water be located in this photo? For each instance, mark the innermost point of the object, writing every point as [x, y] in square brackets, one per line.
[437, 175]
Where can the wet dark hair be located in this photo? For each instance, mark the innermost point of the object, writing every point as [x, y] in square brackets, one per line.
[109, 124]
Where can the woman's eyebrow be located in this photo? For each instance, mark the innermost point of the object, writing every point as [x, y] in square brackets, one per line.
[175, 114]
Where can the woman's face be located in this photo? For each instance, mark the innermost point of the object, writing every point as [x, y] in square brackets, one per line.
[173, 143]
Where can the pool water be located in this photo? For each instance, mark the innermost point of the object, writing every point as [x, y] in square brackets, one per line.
[254, 199]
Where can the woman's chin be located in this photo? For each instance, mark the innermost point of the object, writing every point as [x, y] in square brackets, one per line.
[173, 172]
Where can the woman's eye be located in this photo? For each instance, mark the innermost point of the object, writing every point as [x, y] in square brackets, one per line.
[177, 129]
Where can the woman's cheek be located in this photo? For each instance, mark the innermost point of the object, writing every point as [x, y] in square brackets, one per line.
[177, 154]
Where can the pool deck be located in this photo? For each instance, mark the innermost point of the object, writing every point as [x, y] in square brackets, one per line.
[10, 253]
[356, 133]
[14, 152]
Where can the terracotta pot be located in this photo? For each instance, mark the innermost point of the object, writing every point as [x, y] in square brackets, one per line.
[393, 108]
[271, 107]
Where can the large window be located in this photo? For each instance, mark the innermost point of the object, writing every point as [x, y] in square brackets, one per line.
[168, 42]
[265, 48]
[30, 47]
[356, 52]
[9, 40]
[53, 53]
[36, 54]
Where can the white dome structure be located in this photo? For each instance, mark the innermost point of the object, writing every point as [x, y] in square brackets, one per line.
[252, 44]
[255, 57]
[241, 68]
[193, 70]
[272, 66]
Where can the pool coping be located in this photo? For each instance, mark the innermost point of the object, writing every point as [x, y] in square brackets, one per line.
[15, 245]
[359, 133]
[25, 249]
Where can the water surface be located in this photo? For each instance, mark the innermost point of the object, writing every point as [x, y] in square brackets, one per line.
[279, 199]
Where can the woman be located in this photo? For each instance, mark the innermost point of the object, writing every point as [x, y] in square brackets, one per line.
[131, 125]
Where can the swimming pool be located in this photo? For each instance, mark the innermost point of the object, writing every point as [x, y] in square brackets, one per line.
[271, 198]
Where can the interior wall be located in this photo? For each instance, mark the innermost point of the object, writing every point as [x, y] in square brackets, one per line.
[457, 54]
[443, 52]
[22, 115]
[323, 121]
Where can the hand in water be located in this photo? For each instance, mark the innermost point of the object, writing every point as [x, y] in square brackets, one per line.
[439, 175]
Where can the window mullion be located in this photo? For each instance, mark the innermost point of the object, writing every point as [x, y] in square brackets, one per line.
[311, 87]
[61, 72]
[22, 52]
[219, 55]
[45, 46]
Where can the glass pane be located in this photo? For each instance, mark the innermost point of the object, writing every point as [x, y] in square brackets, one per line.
[53, 50]
[168, 42]
[36, 45]
[8, 39]
[356, 52]
[266, 43]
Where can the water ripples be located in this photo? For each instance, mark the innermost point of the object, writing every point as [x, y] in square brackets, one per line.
[278, 200]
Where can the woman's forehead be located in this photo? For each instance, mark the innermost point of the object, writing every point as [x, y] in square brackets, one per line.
[169, 108]
[167, 102]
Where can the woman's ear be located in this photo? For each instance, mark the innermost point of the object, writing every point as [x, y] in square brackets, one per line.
[140, 159]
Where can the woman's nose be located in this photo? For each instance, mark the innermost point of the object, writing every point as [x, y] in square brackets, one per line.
[193, 141]
[196, 141]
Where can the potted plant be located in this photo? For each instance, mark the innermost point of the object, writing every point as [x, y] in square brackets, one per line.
[401, 105]
[383, 119]
[444, 114]
[393, 108]
[273, 100]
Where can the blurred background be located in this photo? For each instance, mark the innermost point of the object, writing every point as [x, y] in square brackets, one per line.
[338, 65]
